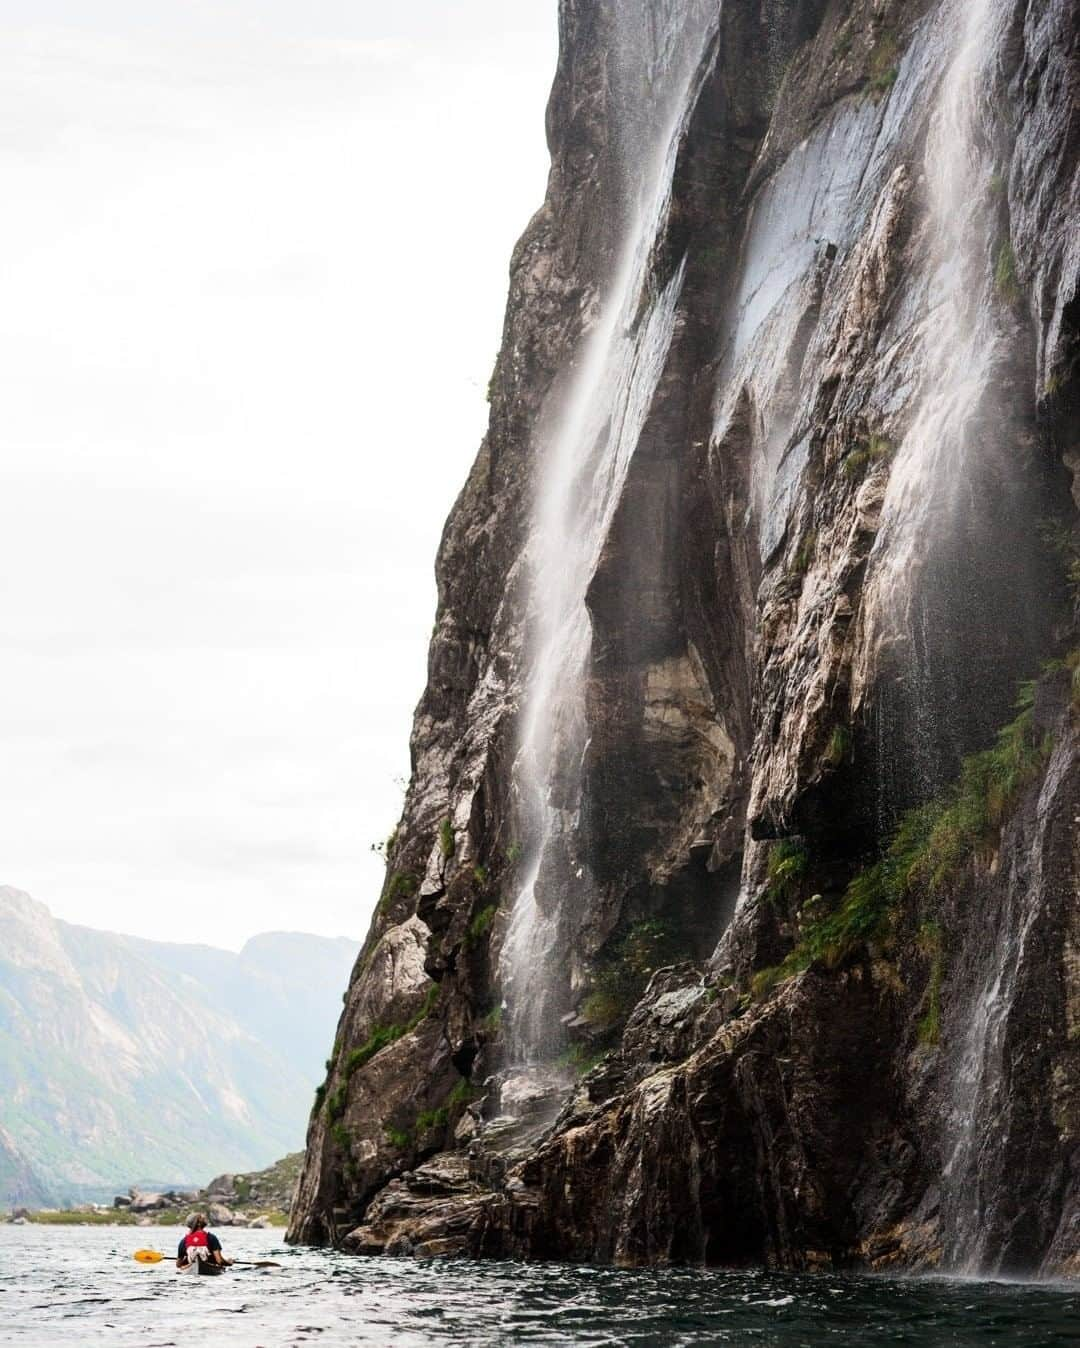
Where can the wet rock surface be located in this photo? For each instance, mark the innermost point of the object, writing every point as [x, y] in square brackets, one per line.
[821, 587]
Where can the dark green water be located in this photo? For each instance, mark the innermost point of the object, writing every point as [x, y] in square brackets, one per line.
[80, 1285]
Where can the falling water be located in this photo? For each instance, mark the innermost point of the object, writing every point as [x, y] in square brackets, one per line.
[958, 347]
[938, 480]
[657, 72]
[957, 342]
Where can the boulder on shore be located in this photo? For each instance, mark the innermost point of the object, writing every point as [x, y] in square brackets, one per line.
[148, 1202]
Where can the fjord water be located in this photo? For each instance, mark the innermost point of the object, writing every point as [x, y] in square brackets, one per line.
[80, 1285]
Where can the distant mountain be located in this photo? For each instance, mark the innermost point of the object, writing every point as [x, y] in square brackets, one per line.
[124, 1060]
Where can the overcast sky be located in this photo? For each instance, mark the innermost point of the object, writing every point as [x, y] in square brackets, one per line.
[253, 259]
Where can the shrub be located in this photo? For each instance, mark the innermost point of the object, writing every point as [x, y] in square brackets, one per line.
[341, 1136]
[492, 1022]
[623, 974]
[514, 853]
[402, 1140]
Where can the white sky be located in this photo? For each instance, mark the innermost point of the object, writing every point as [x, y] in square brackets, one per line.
[253, 259]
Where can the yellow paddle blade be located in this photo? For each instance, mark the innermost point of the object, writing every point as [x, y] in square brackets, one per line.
[147, 1257]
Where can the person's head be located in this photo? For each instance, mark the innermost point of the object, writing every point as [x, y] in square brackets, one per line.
[197, 1222]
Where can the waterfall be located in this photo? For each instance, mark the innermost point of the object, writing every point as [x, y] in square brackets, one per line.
[956, 474]
[657, 69]
[942, 458]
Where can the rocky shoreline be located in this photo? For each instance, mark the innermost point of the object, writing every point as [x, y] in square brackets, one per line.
[256, 1199]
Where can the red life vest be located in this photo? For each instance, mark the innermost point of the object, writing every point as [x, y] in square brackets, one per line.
[195, 1239]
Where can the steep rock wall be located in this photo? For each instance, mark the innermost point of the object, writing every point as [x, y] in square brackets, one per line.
[846, 532]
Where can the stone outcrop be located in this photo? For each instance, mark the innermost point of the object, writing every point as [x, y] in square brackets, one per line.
[816, 923]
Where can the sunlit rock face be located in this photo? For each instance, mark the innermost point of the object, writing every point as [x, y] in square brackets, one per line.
[707, 935]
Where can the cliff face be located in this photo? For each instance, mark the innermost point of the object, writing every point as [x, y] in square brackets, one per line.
[733, 912]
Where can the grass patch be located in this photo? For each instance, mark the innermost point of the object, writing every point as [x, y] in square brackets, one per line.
[382, 1036]
[805, 555]
[384, 848]
[844, 41]
[335, 1104]
[431, 1118]
[930, 944]
[1062, 541]
[514, 853]
[493, 1021]
[883, 66]
[463, 1093]
[481, 924]
[401, 885]
[379, 1038]
[114, 1217]
[839, 746]
[1005, 280]
[398, 1138]
[877, 449]
[581, 1058]
[785, 870]
[1070, 663]
[933, 844]
[341, 1136]
[446, 840]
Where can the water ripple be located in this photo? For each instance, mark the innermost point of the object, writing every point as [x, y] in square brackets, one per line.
[50, 1277]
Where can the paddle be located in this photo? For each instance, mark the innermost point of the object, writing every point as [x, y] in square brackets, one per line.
[155, 1257]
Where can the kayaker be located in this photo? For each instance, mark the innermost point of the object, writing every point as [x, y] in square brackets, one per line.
[200, 1250]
